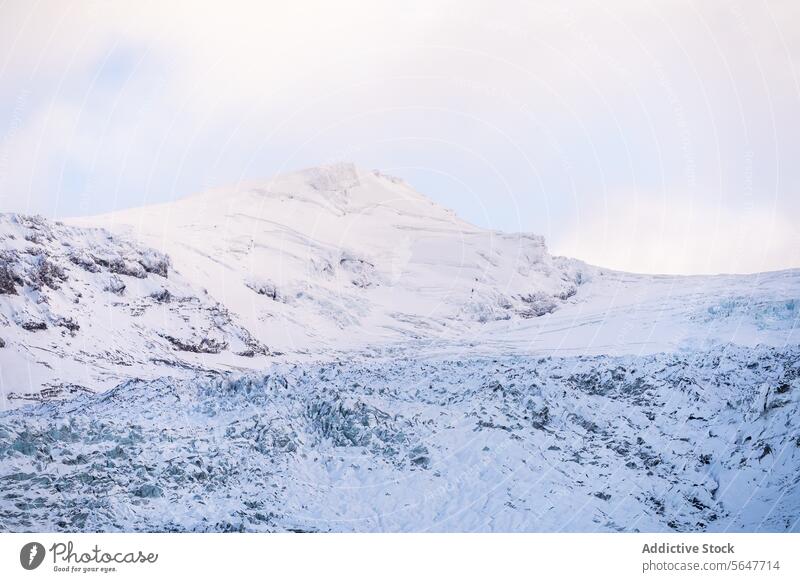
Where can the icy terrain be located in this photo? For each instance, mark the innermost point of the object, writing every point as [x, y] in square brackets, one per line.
[331, 351]
[691, 441]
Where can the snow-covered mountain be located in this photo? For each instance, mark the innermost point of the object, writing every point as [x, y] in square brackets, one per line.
[339, 258]
[330, 350]
[335, 256]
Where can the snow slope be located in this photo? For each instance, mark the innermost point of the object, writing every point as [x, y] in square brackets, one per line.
[332, 351]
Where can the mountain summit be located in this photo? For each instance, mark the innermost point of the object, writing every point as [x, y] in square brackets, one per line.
[334, 248]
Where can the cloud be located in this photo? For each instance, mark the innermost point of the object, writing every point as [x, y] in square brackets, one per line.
[540, 107]
[657, 233]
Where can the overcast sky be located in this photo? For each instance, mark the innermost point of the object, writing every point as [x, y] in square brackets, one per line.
[642, 135]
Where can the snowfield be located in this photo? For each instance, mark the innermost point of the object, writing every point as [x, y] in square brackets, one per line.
[331, 351]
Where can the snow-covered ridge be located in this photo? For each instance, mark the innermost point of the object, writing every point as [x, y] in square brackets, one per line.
[82, 309]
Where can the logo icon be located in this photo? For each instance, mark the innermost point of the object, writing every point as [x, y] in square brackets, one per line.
[31, 555]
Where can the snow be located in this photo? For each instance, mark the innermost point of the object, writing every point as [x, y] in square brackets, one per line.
[331, 351]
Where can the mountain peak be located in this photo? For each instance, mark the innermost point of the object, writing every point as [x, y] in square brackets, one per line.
[338, 176]
[334, 177]
[342, 184]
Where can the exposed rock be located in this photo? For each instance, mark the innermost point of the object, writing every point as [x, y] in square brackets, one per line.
[205, 345]
[115, 285]
[537, 304]
[8, 278]
[163, 296]
[263, 287]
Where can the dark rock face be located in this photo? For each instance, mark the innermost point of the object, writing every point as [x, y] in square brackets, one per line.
[163, 296]
[8, 278]
[51, 392]
[121, 266]
[83, 260]
[46, 273]
[134, 265]
[266, 288]
[115, 285]
[537, 304]
[202, 346]
[33, 325]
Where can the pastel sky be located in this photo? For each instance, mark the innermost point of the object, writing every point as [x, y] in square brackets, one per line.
[645, 135]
